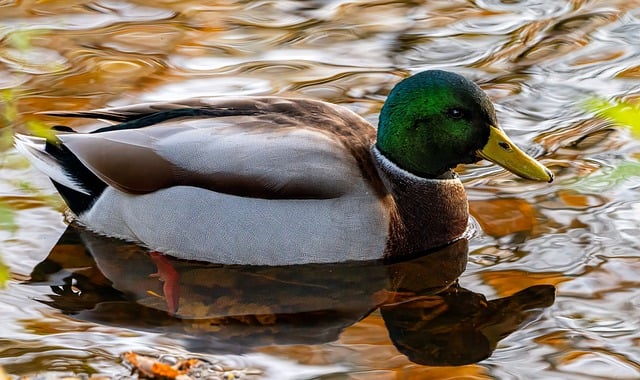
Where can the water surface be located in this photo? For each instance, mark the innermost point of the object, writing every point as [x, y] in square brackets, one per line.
[67, 312]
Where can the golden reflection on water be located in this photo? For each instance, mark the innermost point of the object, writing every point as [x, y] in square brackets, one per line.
[235, 309]
[539, 60]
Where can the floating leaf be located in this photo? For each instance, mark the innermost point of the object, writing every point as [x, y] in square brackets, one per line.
[151, 368]
[148, 367]
[620, 112]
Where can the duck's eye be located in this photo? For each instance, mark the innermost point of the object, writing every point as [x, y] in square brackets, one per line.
[455, 113]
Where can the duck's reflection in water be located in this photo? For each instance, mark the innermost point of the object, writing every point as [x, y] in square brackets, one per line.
[234, 308]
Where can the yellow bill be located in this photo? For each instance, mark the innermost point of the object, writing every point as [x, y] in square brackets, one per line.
[502, 151]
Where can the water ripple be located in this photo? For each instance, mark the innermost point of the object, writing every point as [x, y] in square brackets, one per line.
[538, 60]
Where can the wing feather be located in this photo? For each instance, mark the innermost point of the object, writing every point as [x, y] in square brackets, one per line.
[266, 148]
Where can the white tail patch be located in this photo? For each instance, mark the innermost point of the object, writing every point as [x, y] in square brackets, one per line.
[33, 148]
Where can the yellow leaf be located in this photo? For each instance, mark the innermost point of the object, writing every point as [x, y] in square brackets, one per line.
[622, 113]
[40, 129]
[4, 277]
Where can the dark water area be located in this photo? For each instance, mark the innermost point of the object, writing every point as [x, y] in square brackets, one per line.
[547, 287]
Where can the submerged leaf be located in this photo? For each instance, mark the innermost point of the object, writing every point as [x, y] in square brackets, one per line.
[6, 139]
[22, 39]
[9, 112]
[7, 218]
[608, 179]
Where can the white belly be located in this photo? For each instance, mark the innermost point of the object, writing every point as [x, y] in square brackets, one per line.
[197, 224]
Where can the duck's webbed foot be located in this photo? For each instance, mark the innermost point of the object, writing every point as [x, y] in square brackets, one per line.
[171, 279]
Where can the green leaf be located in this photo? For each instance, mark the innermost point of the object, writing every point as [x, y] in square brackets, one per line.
[25, 186]
[40, 129]
[7, 218]
[6, 139]
[622, 113]
[608, 178]
[8, 109]
[22, 39]
[5, 274]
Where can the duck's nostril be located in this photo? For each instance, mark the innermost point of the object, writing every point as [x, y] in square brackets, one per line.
[505, 146]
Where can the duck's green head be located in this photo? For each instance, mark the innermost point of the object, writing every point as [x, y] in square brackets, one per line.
[435, 120]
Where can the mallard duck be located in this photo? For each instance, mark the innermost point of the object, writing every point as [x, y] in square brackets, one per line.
[279, 181]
